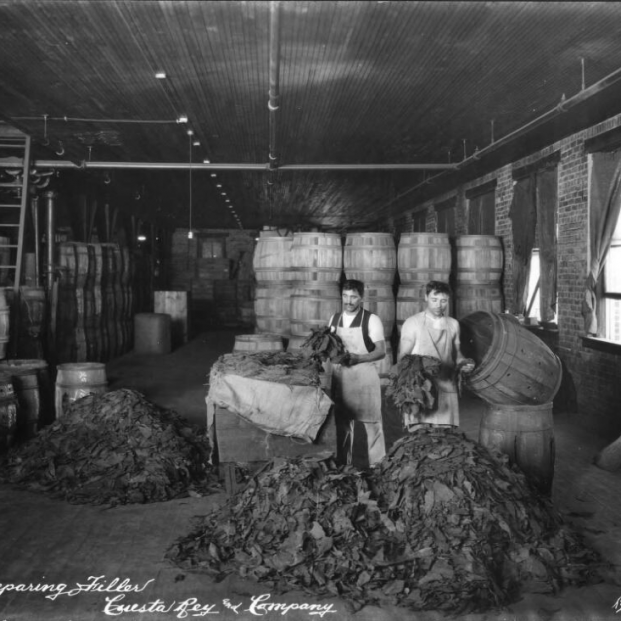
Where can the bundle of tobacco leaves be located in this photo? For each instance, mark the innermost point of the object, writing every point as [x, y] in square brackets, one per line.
[326, 345]
[441, 524]
[411, 387]
[293, 368]
[114, 448]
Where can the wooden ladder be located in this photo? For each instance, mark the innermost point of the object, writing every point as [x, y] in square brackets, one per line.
[14, 148]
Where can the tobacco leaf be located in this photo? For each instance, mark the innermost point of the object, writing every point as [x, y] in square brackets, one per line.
[440, 524]
[115, 448]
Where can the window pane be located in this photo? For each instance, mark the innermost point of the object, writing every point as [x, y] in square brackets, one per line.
[533, 279]
[613, 320]
[612, 270]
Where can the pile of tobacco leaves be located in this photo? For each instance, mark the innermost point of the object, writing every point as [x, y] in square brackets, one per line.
[293, 368]
[411, 386]
[440, 524]
[114, 448]
[326, 344]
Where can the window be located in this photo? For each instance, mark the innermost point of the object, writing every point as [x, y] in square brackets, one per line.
[445, 214]
[211, 248]
[419, 222]
[605, 243]
[611, 288]
[482, 209]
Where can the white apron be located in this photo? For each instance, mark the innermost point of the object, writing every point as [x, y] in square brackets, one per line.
[438, 342]
[357, 389]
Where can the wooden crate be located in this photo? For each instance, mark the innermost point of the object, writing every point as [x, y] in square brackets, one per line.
[241, 442]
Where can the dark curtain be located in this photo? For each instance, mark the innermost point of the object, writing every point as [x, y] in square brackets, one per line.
[523, 214]
[547, 195]
[603, 215]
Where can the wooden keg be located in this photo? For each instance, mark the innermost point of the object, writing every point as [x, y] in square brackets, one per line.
[76, 380]
[252, 343]
[5, 259]
[271, 260]
[30, 382]
[32, 310]
[312, 305]
[479, 259]
[380, 300]
[152, 333]
[316, 257]
[295, 342]
[422, 257]
[272, 307]
[5, 314]
[526, 434]
[8, 412]
[513, 366]
[75, 263]
[370, 257]
[471, 298]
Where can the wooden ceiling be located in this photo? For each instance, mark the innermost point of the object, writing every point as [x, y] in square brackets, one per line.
[359, 83]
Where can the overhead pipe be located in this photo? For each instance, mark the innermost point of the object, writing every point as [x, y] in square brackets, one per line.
[558, 110]
[274, 80]
[564, 106]
[66, 164]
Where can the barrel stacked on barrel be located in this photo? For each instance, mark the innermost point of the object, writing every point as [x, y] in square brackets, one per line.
[94, 314]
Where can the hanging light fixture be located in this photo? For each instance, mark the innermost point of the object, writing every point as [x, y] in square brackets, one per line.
[190, 231]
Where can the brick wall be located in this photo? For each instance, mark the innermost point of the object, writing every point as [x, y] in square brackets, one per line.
[594, 374]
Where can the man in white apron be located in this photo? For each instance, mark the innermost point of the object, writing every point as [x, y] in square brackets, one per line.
[356, 385]
[432, 333]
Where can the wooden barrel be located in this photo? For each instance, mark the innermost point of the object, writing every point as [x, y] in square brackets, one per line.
[380, 299]
[8, 412]
[32, 310]
[75, 380]
[5, 313]
[76, 269]
[98, 268]
[272, 307]
[471, 298]
[294, 343]
[152, 333]
[526, 434]
[513, 366]
[30, 382]
[316, 257]
[5, 260]
[252, 343]
[370, 257]
[175, 304]
[272, 257]
[479, 259]
[312, 305]
[422, 257]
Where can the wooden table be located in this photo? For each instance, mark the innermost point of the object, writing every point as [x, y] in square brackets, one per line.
[241, 442]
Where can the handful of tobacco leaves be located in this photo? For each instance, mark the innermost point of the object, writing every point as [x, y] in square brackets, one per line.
[327, 345]
[411, 387]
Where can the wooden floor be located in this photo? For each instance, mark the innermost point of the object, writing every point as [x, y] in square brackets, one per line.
[48, 542]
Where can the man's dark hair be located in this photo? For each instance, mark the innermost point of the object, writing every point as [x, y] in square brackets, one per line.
[437, 286]
[353, 285]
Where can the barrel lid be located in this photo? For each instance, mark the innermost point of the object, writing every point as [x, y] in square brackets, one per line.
[21, 366]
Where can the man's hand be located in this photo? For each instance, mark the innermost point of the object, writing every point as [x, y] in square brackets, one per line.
[353, 359]
[466, 366]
